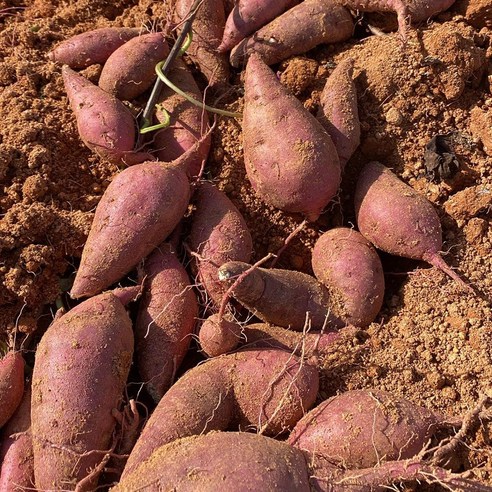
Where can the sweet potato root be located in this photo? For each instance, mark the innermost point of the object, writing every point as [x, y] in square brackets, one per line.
[11, 384]
[290, 159]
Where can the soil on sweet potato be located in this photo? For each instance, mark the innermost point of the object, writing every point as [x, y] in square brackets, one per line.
[431, 342]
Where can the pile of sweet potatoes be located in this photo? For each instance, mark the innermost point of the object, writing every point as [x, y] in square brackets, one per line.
[164, 331]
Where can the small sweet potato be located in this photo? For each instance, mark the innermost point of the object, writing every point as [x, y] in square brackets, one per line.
[290, 160]
[338, 111]
[348, 265]
[11, 384]
[130, 70]
[218, 336]
[138, 210]
[165, 320]
[298, 30]
[218, 234]
[91, 47]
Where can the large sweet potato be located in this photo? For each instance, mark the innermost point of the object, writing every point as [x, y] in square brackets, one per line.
[11, 384]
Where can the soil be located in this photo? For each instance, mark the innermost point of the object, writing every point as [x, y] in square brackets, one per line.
[432, 341]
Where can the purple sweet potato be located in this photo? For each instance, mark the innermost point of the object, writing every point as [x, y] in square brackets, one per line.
[282, 297]
[16, 453]
[11, 384]
[138, 210]
[208, 28]
[218, 336]
[248, 16]
[421, 10]
[290, 159]
[165, 321]
[188, 124]
[218, 234]
[82, 364]
[91, 47]
[397, 219]
[130, 70]
[298, 30]
[338, 111]
[104, 123]
[348, 265]
[222, 461]
[266, 389]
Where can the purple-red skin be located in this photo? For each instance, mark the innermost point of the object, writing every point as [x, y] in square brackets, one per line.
[11, 384]
[139, 209]
[290, 160]
[248, 16]
[130, 70]
[16, 453]
[188, 123]
[298, 30]
[348, 265]
[239, 390]
[218, 336]
[165, 321]
[421, 10]
[208, 28]
[338, 112]
[359, 428]
[218, 234]
[397, 219]
[82, 364]
[91, 47]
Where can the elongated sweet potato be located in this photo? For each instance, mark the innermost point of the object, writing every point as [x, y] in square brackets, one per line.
[91, 47]
[130, 70]
[290, 159]
[348, 265]
[266, 389]
[82, 364]
[397, 219]
[248, 16]
[218, 234]
[11, 384]
[298, 30]
[282, 297]
[165, 321]
[138, 210]
[338, 111]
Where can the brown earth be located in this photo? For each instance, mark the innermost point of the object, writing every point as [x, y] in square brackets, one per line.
[432, 342]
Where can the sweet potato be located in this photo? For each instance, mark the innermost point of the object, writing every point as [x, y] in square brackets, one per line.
[11, 384]
[130, 70]
[248, 16]
[138, 210]
[91, 47]
[397, 219]
[208, 28]
[290, 159]
[359, 428]
[165, 321]
[338, 111]
[218, 335]
[188, 122]
[218, 234]
[348, 265]
[82, 364]
[266, 389]
[104, 123]
[16, 454]
[298, 30]
[282, 297]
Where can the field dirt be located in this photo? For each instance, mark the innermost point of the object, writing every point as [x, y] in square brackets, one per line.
[432, 342]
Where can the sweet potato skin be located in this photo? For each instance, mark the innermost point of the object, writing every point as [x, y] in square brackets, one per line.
[91, 47]
[138, 210]
[298, 30]
[222, 461]
[348, 265]
[130, 70]
[82, 364]
[165, 320]
[290, 160]
[11, 384]
[218, 234]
